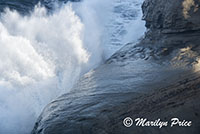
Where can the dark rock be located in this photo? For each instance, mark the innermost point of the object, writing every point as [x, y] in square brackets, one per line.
[156, 78]
[172, 15]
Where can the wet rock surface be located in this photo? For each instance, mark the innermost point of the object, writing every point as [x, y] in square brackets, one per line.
[157, 78]
[100, 102]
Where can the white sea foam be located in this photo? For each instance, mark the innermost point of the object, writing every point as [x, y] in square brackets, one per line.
[42, 55]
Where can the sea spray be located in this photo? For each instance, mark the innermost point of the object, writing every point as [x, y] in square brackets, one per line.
[41, 56]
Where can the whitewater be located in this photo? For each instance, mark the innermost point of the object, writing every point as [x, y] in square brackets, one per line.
[42, 55]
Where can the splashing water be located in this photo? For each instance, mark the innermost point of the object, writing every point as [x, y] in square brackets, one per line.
[42, 55]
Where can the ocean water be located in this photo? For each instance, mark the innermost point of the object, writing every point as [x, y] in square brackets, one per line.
[43, 54]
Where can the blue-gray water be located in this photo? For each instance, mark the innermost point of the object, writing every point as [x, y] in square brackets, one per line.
[25, 6]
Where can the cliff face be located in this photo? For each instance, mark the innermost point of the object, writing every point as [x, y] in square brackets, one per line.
[171, 16]
[156, 78]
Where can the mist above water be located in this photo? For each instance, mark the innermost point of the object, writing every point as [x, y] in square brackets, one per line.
[42, 55]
